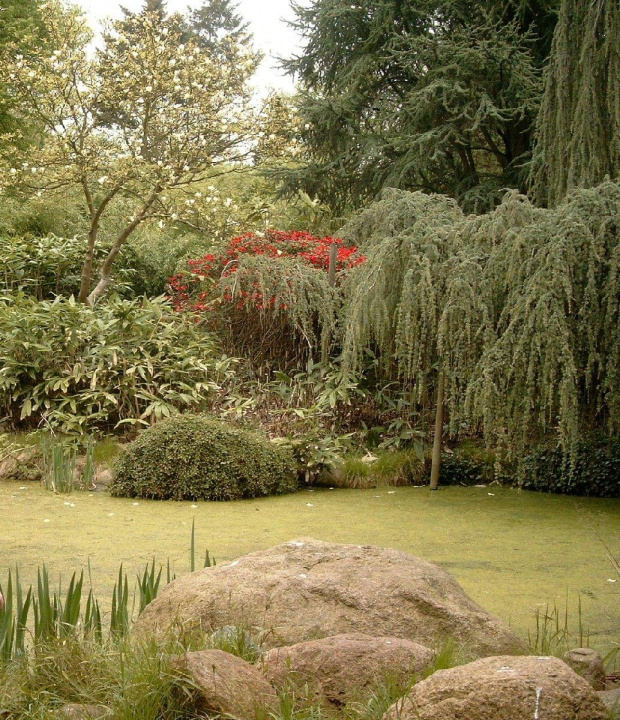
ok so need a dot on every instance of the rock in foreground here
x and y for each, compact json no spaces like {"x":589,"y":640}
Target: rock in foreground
{"x":307,"y":589}
{"x":228,"y":685}
{"x":502,"y":688}
{"x":587,"y":663}
{"x":345,"y":668}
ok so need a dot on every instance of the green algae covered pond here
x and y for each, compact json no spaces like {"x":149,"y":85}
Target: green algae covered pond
{"x":514,"y":552}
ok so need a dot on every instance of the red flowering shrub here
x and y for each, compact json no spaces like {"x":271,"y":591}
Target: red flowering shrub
{"x":188,"y":292}
{"x":283,"y":276}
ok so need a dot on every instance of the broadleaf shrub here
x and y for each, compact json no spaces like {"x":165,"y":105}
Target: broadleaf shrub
{"x":595,"y":469}
{"x":48,"y":266}
{"x":123,"y":362}
{"x":194,"y":457}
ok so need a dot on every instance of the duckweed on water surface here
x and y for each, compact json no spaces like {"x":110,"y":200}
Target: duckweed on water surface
{"x":513,"y":551}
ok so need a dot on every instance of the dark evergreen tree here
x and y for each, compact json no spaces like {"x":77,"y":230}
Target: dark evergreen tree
{"x":216,"y":19}
{"x":434,"y":96}
{"x":149,"y":6}
{"x":579,"y":124}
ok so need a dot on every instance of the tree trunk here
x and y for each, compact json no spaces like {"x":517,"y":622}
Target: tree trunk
{"x":436,"y":462}
{"x":95,"y":219}
{"x":87,"y":267}
{"x":331,"y":277}
{"x":106,"y":269}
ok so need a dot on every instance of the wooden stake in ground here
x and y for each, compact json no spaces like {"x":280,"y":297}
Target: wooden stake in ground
{"x":331,"y":275}
{"x":436,"y":462}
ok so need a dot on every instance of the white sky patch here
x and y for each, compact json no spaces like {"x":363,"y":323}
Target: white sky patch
{"x":267,"y":22}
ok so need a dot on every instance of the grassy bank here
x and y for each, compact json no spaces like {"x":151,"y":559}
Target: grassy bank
{"x":514,"y":552}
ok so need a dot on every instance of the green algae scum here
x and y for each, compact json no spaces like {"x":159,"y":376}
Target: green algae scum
{"x":519,"y":554}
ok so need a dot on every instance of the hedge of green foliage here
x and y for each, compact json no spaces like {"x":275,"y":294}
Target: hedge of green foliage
{"x":471,"y":463}
{"x":48,"y":266}
{"x":194,"y":457}
{"x":595,"y":472}
{"x":461,"y":469}
{"x":77,"y":368}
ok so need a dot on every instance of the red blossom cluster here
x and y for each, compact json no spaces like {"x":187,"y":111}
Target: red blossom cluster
{"x":184,"y":288}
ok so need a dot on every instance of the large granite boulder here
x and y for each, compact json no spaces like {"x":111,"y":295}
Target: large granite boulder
{"x":345,"y":668}
{"x":228,"y":685}
{"x":307,"y":589}
{"x":502,"y":688}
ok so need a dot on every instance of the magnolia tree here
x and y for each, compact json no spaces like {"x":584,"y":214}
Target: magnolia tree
{"x":148,"y":118}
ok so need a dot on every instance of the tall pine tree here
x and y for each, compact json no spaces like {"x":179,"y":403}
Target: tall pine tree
{"x":436,"y":96}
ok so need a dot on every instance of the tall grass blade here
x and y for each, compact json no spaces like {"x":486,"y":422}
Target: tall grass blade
{"x":119,"y":618}
{"x":92,"y":619}
{"x":148,"y":585}
{"x":192,"y":549}
{"x":46,"y":608}
{"x":21,"y":616}
{"x":7,"y":624}
{"x":70,"y":614}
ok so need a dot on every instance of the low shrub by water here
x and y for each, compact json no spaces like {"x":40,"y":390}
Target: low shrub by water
{"x":194,"y":457}
{"x":595,"y":469}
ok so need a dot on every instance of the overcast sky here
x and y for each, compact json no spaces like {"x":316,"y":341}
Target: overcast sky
{"x":267,"y":23}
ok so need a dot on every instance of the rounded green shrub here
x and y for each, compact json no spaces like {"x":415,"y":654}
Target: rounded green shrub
{"x":194,"y":457}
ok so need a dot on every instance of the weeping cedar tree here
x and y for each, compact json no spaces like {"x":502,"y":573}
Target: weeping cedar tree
{"x":578,"y":132}
{"x":437,"y":96}
{"x":517,"y":310}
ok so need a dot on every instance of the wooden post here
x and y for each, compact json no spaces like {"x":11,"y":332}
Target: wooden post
{"x":333,"y":260}
{"x":436,"y":462}
{"x":331,"y":278}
